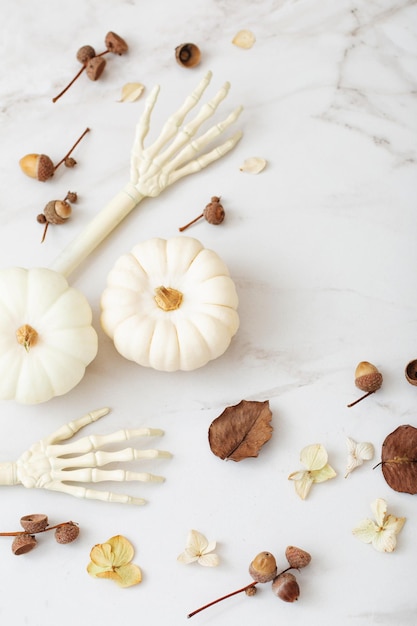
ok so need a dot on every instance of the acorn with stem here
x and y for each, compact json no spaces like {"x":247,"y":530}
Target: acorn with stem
{"x":24,"y":540}
{"x":368,"y":379}
{"x":263,"y":569}
{"x":41,"y":167}
{"x":213,"y":213}
{"x":93,"y":63}
{"x":56,"y":212}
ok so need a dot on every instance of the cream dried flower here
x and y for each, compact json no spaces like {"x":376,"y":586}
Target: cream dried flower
{"x":314,"y":457}
{"x":383,"y":532}
{"x":198,"y":549}
{"x":112,"y":559}
{"x":357,"y":454}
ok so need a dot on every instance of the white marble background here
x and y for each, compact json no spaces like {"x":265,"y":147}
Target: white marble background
{"x":322,"y":248}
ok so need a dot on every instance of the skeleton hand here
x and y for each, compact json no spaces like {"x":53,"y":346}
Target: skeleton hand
{"x":152,"y":169}
{"x":49,"y":464}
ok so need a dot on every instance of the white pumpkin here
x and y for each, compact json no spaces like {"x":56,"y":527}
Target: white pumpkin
{"x":46,"y":337}
{"x":170,"y":305}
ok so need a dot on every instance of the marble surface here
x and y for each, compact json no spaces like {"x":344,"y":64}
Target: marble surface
{"x":321,"y":246}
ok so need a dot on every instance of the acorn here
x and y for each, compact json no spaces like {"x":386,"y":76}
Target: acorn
{"x":35,"y":523}
{"x":40,"y":166}
{"x":296,"y":557}
{"x":188,"y":55}
{"x":37,"y":166}
{"x":23,"y":543}
{"x":285,"y":587}
{"x":367,"y":378}
{"x":66,"y":533}
{"x":263,"y":568}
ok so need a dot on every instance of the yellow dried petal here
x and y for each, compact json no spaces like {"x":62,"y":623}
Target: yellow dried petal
{"x":244,"y":39}
{"x":101,"y":555}
{"x":253,"y":165}
{"x":131,"y":92}
{"x":128,"y":575}
{"x":122,"y":549}
{"x":314,"y":457}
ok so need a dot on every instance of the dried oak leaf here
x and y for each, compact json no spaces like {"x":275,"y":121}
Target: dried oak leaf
{"x":399,"y":459}
{"x":241,"y":430}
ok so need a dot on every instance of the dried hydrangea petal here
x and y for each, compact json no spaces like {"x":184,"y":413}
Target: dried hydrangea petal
{"x":244,"y":39}
{"x":253,"y":165}
{"x":131,"y":92}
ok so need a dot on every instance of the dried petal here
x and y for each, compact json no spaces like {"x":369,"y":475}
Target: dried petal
{"x":318,"y":470}
{"x":131,"y":92}
{"x":241,"y":430}
{"x":314,"y":457}
{"x":244,"y":39}
{"x":253,"y":165}
{"x":399,"y":459}
{"x":199,"y":549}
{"x":112,"y":560}
{"x":382,"y":533}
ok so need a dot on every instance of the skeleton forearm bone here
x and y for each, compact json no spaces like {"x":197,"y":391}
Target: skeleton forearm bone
{"x":49,"y":464}
{"x":154,"y":168}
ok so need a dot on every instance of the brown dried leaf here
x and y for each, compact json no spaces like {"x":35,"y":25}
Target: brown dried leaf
{"x":399,"y":459}
{"x":241,"y":430}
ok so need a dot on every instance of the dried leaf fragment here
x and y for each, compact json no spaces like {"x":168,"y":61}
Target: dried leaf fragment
{"x":131,"y":92}
{"x":399,"y":459}
{"x":241,"y":430}
{"x":244,"y":39}
{"x":253,"y":165}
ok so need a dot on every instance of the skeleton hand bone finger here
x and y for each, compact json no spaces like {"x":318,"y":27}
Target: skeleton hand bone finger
{"x":94,"y":494}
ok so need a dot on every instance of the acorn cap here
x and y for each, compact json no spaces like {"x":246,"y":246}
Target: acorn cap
{"x":95,"y":67}
{"x":34,"y":523}
{"x":85,"y":53}
{"x":66,"y":533}
{"x":411,"y":372}
{"x":188,"y":54}
{"x":263,"y":568}
{"x":22,"y":544}
{"x":296,"y":557}
{"x":114,"y":43}
{"x":285,"y":587}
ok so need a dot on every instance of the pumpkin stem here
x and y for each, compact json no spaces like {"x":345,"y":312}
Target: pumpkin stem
{"x":26,"y":336}
{"x":168,"y":298}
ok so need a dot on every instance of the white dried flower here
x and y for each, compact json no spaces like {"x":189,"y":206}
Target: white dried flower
{"x":314,"y":457}
{"x":244,"y":39}
{"x":198,"y":549}
{"x":357,"y":454}
{"x":383,"y":532}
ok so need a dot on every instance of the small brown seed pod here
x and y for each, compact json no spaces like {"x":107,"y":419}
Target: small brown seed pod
{"x":188,"y":55}
{"x":95,"y":67}
{"x":114,"y":43}
{"x":296,"y":557}
{"x":285,"y":587}
{"x":411,"y":372}
{"x":263,"y":567}
{"x":35,"y":523}
{"x":23,"y":543}
{"x":213,"y":212}
{"x":66,"y":533}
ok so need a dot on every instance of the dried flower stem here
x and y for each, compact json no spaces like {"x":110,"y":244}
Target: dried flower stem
{"x":229,"y":595}
{"x":361,"y":398}
{"x":25,"y":532}
{"x":87,"y":130}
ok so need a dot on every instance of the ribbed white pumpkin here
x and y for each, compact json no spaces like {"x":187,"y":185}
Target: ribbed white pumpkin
{"x":170,"y":304}
{"x":46,"y":337}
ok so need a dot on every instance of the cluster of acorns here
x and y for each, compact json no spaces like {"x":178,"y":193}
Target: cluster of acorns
{"x":24,"y":541}
{"x":263,"y":569}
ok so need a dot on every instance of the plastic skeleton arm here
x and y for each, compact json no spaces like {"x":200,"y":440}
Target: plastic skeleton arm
{"x":50,"y":464}
{"x":173,"y":155}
